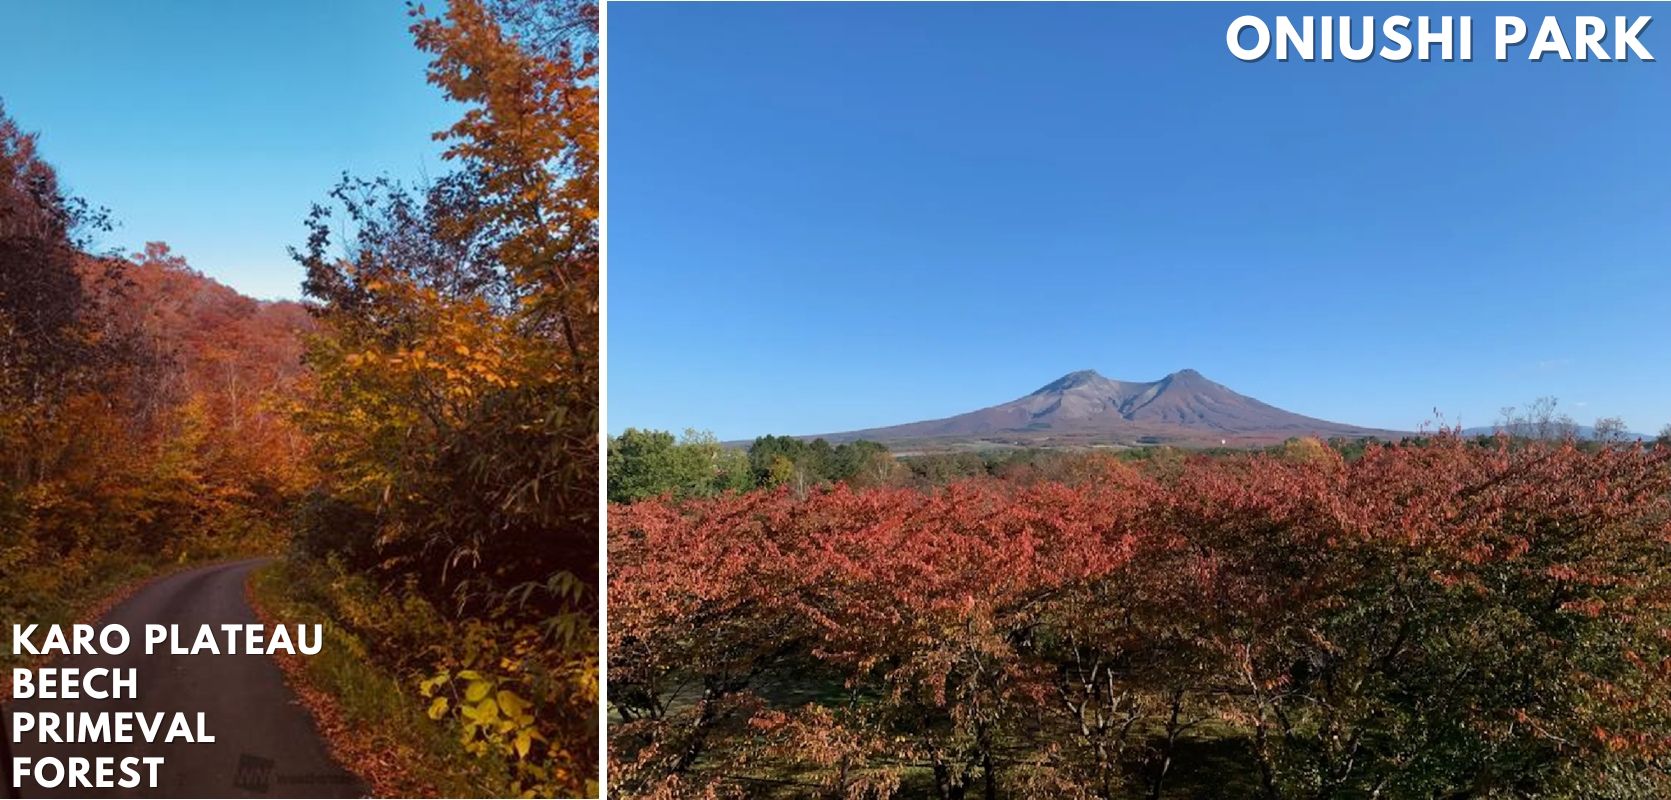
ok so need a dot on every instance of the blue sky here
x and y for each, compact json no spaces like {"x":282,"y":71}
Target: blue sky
{"x":827,"y":217}
{"x":214,"y":125}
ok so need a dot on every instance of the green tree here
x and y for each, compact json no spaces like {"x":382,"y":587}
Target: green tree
{"x":641,"y":464}
{"x":644,"y":463}
{"x":724,"y":469}
{"x":786,"y":460}
{"x":771,"y":458}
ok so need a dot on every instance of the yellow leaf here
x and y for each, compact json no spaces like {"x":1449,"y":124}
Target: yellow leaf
{"x":523,"y":741}
{"x":513,"y":705}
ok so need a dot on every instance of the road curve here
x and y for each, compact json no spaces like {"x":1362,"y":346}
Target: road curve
{"x":266,"y":744}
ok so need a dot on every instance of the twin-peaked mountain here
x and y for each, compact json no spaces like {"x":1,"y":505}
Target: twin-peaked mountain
{"x":1086,"y":408}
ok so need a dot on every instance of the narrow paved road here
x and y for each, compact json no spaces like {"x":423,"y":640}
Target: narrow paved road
{"x":265,"y":744}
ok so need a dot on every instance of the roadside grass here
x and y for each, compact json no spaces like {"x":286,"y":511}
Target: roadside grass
{"x":373,"y":721}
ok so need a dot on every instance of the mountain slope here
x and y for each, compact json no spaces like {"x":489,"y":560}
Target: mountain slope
{"x":1086,"y":408}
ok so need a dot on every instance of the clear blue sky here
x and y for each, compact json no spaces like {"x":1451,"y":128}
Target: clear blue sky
{"x":213,"y":125}
{"x":826,"y":217}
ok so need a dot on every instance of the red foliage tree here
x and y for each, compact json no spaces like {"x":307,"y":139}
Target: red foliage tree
{"x":1436,"y":620}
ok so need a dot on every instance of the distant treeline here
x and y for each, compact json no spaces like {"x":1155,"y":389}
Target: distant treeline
{"x":648,"y":463}
{"x":1542,"y":420}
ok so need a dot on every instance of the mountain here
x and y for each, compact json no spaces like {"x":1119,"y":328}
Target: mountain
{"x":1082,"y":408}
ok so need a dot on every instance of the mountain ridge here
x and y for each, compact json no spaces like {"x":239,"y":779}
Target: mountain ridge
{"x":1085,"y":408}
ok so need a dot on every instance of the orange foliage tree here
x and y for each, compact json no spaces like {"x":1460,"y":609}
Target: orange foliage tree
{"x":452,"y":401}
{"x":135,"y":417}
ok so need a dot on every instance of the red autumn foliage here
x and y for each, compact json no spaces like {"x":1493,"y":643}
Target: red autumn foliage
{"x":1438,"y":620}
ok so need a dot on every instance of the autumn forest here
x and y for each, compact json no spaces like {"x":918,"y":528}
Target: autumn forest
{"x":413,"y":445}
